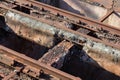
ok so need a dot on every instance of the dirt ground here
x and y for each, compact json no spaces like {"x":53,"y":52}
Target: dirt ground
{"x":106,"y":63}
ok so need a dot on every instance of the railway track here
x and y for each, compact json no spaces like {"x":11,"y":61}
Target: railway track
{"x":61,"y":19}
{"x":21,"y":63}
{"x":57,"y":17}
{"x":23,"y":67}
{"x":12,"y":73}
{"x":95,"y":29}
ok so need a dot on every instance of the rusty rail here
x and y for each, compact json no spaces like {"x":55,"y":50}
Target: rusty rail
{"x":74,"y":17}
{"x":106,"y":16}
{"x":36,"y":64}
{"x":56,"y":24}
{"x":60,"y":50}
{"x":48,"y":69}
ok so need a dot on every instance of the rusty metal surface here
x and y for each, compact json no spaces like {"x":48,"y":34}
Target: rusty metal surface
{"x":36,"y":64}
{"x":85,"y":26}
{"x":70,"y":15}
{"x":53,"y":55}
{"x":107,"y":15}
{"x":90,"y":27}
{"x":116,"y":46}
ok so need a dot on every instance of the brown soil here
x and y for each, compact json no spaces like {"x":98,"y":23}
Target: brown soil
{"x":106,"y":63}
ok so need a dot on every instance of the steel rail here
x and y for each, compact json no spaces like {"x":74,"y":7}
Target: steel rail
{"x":56,"y":24}
{"x":106,"y":16}
{"x":71,"y":16}
{"x":36,"y":64}
{"x":75,"y":17}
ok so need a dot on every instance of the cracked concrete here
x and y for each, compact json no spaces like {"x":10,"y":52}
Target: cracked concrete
{"x":34,"y":24}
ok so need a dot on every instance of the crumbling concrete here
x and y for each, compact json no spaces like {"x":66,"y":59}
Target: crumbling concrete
{"x":54,"y":31}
